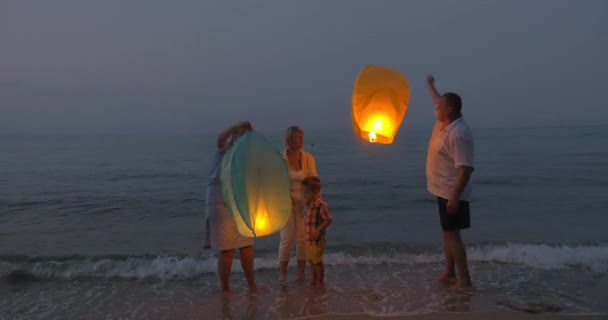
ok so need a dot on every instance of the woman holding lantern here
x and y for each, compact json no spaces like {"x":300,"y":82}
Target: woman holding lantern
{"x":301,"y":165}
{"x":221,"y":232}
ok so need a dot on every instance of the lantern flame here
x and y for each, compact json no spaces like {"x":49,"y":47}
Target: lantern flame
{"x":372,"y":137}
{"x":376,"y":127}
{"x":261,"y":222}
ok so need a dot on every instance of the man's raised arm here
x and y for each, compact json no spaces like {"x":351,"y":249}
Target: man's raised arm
{"x":430,"y":82}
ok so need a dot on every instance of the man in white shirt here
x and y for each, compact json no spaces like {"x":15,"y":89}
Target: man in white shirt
{"x":449,"y":167}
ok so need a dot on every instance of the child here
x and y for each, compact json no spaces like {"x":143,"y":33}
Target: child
{"x":316,"y":221}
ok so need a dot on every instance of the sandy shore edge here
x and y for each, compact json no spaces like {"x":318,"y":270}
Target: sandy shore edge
{"x":494,"y":315}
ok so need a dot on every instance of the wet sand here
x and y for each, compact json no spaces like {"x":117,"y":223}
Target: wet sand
{"x":495,"y":315}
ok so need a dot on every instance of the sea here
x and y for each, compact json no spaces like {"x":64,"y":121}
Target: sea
{"x":111,"y":227}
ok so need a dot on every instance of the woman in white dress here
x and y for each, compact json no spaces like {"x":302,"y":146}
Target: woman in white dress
{"x":301,"y":165}
{"x":221,"y":232}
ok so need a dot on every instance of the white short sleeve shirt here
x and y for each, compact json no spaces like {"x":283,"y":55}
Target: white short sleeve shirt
{"x":449,"y":148}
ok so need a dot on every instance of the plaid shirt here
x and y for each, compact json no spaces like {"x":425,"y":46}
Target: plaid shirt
{"x":316,"y":213}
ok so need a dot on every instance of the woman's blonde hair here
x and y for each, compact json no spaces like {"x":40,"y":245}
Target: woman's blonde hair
{"x":290,"y":131}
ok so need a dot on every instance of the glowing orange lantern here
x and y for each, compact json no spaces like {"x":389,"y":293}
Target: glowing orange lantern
{"x":380,"y":99}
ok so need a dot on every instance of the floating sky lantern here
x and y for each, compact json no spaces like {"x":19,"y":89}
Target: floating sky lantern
{"x":380,"y":99}
{"x":255,"y":183}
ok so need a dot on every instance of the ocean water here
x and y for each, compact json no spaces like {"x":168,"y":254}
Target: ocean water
{"x":110,"y":227}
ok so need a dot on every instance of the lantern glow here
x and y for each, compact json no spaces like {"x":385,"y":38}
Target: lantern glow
{"x":255,"y":183}
{"x":379,"y":103}
{"x":378,"y":125}
{"x":261,"y":222}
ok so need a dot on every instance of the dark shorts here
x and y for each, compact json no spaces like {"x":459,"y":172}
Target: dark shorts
{"x":453,"y":222}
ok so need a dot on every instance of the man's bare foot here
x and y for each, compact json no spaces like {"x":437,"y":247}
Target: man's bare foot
{"x":229,"y":294}
{"x":447,"y":278}
{"x":301,"y":277}
{"x":282,"y":277}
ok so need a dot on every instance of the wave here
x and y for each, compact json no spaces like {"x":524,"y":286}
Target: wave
{"x":154,"y":176}
{"x":24,"y":268}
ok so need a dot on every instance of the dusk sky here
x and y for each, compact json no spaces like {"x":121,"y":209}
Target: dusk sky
{"x":74,"y":66}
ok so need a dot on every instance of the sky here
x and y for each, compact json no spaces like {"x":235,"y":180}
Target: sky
{"x":191,"y":66}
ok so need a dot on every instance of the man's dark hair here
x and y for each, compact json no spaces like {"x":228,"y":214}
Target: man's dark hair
{"x":453,"y":100}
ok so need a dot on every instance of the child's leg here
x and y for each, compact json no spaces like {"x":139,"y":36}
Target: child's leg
{"x":321,"y":272}
{"x":321,"y":266}
{"x":316,"y":269}
{"x":314,"y":273}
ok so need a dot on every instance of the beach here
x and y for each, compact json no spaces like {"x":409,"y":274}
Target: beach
{"x":472,"y":316}
{"x":111,"y":228}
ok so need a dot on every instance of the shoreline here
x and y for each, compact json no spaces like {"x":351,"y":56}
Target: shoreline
{"x":495,"y":315}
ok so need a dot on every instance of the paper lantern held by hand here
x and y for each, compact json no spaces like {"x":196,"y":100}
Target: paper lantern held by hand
{"x":255,"y":184}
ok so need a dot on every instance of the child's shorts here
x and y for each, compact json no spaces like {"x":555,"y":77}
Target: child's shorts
{"x":314,"y":253}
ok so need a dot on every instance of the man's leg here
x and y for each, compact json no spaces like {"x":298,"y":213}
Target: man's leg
{"x":448,"y":274}
{"x":460,"y":258}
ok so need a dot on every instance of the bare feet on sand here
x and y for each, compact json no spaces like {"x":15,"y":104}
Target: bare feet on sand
{"x":447,"y":278}
{"x":282,"y":277}
{"x":464,"y":284}
{"x":257,"y":290}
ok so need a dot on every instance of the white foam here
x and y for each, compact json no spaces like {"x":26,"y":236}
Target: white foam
{"x":544,"y":256}
{"x":535,"y":256}
{"x":594,"y":258}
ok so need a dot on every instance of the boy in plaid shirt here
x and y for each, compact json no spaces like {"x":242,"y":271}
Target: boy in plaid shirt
{"x":318,"y":217}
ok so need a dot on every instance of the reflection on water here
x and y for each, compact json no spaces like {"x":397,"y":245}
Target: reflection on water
{"x":380,"y":290}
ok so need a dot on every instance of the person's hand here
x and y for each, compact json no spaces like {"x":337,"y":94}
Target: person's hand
{"x":430,"y":79}
{"x":315,"y":234}
{"x":452,"y":206}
